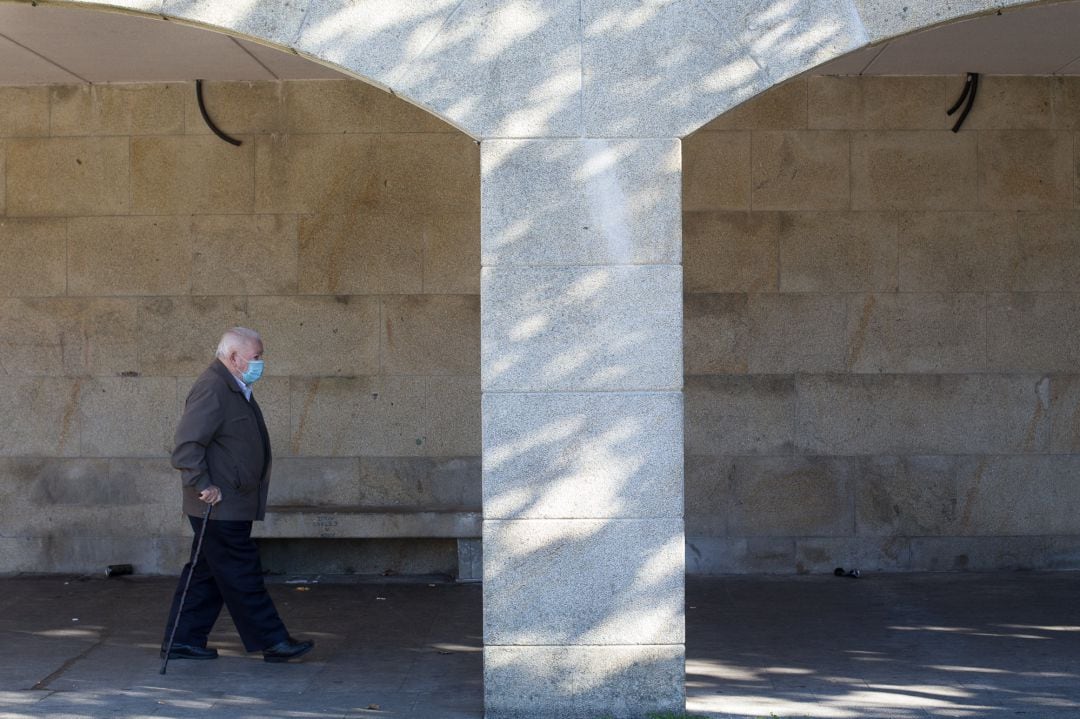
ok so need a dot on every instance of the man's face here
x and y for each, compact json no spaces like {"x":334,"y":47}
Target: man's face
{"x":247,"y":352}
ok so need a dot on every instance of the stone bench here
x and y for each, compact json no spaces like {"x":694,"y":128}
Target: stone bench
{"x":364,"y":522}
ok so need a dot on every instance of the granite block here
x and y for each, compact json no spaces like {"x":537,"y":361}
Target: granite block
{"x":923,"y":414}
{"x":821,"y":555}
{"x":556,"y":682}
{"x":958,"y":554}
{"x":1047,"y":255}
{"x":452,"y":416}
{"x":583,"y":582}
{"x":529,"y":86}
{"x":175,"y":175}
{"x":1025,"y":170}
{"x":708,"y":497}
{"x":878,"y":103}
{"x":451,"y":253}
{"x":739,"y":415}
{"x":361,"y":254}
{"x":71,"y":337}
{"x":73,"y":554}
{"x":25,"y":111}
{"x":68,"y":176}
{"x":904,"y":333}
{"x":1010,"y":102}
{"x":907,"y":103}
{"x":808,"y":170}
{"x":793,"y":496}
{"x":1034,"y":332}
{"x":565,"y":455}
{"x":796,"y":333}
{"x":958,"y":251}
{"x":385,"y":417}
{"x":716,"y":171}
{"x":316,"y":481}
{"x":788,"y":39}
{"x":116,"y":109}
{"x":430,"y":335}
{"x":984,"y":496}
{"x":731,"y":251}
{"x":834,"y":102}
{"x":636,"y":67}
{"x":343,"y":174}
{"x":129,"y":256}
{"x":420,"y":481}
{"x":741,"y":555}
{"x":838,"y":252}
{"x":318,"y":336}
{"x":127,"y":416}
{"x":337,"y":417}
{"x":1065,"y":414}
{"x":374,"y":40}
{"x":1066,"y":103}
{"x":178,"y":335}
{"x":589,"y":201}
{"x":33,"y":257}
{"x":716,"y":334}
{"x":238,"y":108}
{"x":244,"y":255}
{"x":581,"y":328}
{"x":50,"y":420}
{"x":913,"y":170}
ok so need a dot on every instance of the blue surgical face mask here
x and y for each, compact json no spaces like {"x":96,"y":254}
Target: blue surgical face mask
{"x":254,"y":371}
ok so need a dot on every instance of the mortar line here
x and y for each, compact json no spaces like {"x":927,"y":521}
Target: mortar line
{"x":51,"y":62}
{"x":43,"y":684}
{"x":252,"y":56}
{"x":420,"y":53}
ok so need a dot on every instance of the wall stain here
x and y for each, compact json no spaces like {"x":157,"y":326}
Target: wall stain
{"x":1074,"y":443}
{"x":308,"y":401}
{"x":1042,"y":401}
{"x":857,"y":342}
{"x":972,"y":494}
{"x":69,"y":413}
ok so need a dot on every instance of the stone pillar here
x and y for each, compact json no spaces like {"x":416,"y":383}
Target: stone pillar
{"x":581,"y":348}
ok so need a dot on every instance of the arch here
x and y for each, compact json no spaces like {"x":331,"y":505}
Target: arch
{"x":563,"y":68}
{"x":309,"y":34}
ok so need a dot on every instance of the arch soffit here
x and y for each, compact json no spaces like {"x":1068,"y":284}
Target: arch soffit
{"x":567,"y":68}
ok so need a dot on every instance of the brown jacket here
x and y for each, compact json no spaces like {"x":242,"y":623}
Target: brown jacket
{"x":222,"y":440}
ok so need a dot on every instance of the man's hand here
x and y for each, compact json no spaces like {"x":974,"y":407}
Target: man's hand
{"x":210,"y":495}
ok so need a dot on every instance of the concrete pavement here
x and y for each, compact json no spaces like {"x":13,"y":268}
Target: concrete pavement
{"x":891,"y":646}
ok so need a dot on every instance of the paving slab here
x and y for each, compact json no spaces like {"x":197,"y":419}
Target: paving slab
{"x":896,"y":646}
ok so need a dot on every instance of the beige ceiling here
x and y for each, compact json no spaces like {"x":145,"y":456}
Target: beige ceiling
{"x":68,"y":45}
{"x":1041,"y":40}
{"x":71,"y":45}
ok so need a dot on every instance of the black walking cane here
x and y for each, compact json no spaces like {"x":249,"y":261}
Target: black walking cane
{"x":187,"y":583}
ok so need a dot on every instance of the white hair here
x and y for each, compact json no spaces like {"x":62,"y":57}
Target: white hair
{"x":235,"y":339}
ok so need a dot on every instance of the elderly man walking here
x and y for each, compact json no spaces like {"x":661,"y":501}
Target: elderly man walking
{"x":223,"y":454}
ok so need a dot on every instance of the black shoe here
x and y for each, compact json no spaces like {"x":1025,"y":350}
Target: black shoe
{"x":286,"y":650}
{"x":187,"y":651}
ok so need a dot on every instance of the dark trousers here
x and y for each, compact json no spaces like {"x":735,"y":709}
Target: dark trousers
{"x":227,"y":573}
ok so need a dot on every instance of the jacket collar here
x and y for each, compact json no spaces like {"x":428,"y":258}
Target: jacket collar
{"x":221,"y":370}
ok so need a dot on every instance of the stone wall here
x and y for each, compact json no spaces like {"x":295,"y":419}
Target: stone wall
{"x":345,"y":228}
{"x":882,"y":363}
